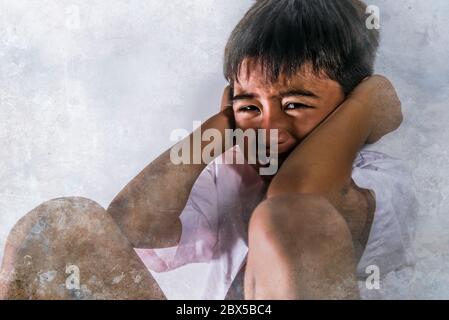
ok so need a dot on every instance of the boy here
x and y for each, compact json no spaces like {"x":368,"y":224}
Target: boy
{"x":303,"y":68}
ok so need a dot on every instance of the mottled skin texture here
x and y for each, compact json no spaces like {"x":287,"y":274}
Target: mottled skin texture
{"x":73,"y":231}
{"x":311,"y":228}
{"x":310,"y":253}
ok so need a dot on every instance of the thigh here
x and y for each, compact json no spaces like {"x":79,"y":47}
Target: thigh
{"x":70,"y":248}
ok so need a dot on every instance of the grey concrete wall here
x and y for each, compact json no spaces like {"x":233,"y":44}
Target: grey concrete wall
{"x":91,"y":89}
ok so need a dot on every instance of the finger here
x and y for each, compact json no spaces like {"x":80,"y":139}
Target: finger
{"x":226,"y":100}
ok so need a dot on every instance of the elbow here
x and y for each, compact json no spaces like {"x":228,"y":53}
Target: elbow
{"x":144,"y":230}
{"x":158,"y":236}
{"x":400,"y":116}
{"x":397,"y":117}
{"x":157,"y":240}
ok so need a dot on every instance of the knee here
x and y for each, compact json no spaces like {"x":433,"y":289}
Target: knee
{"x":56,"y":215}
{"x":78,"y":206}
{"x":297,"y":222}
{"x":47,"y":228}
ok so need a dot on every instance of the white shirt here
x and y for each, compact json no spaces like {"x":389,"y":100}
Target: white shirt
{"x":214,"y":245}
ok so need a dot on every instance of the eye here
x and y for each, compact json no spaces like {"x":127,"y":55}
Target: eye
{"x":294,"y":106}
{"x":248,"y":109}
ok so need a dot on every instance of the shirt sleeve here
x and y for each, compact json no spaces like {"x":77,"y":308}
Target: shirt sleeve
{"x":199,"y":235}
{"x":389,"y":243}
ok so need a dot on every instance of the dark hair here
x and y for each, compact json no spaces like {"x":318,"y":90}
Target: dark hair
{"x":283,"y":35}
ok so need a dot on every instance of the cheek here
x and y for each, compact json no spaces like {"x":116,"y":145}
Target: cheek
{"x":244,"y":122}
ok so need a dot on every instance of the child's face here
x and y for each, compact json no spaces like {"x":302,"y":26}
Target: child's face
{"x":293,"y":106}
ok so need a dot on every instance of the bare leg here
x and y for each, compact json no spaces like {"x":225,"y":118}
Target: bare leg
{"x":299,"y":248}
{"x":47,"y":248}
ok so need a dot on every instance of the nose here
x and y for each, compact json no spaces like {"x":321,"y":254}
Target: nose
{"x":275,"y":118}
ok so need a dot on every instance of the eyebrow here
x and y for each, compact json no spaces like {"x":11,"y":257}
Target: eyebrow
{"x":288,"y":93}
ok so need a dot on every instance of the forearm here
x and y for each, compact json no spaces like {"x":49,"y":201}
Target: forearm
{"x":322,"y":163}
{"x":147,"y":210}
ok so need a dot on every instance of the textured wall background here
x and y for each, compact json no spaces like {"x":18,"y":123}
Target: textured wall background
{"x":91,"y":89}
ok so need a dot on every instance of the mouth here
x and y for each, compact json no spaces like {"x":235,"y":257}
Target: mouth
{"x":276,"y":156}
{"x":283,"y":148}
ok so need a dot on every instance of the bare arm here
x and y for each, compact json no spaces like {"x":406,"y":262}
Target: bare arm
{"x":147,"y":210}
{"x":322,"y":163}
